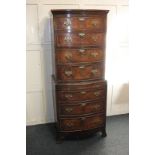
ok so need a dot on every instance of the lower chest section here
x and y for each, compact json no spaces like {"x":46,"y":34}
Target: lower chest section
{"x":81,"y":106}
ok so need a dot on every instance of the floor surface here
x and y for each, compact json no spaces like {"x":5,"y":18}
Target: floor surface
{"x":40,"y":140}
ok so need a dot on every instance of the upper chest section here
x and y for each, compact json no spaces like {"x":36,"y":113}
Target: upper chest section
{"x":80,"y":20}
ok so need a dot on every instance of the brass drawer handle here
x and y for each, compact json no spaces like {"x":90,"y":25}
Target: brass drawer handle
{"x":83,"y":104}
{"x":68,"y":39}
{"x":97,"y":106}
{"x":82,"y":51}
{"x":94,"y":38}
{"x":68,"y":95}
{"x":97,"y":93}
{"x":69,"y":124}
{"x":83,"y":92}
{"x":94,"y":23}
{"x":81,"y":34}
{"x":81,"y":67}
{"x":68,"y":73}
{"x":67,"y":22}
{"x":98,"y":121}
{"x":94,"y":54}
{"x":68,"y":56}
{"x":81,"y":19}
{"x":68,"y":109}
{"x":94,"y":71}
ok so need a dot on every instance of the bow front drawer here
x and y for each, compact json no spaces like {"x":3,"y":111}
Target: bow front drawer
{"x":82,"y":123}
{"x":79,"y":23}
{"x":80,"y":39}
{"x":83,"y":95}
{"x":79,"y":72}
{"x":82,"y":108}
{"x":79,"y":55}
{"x":99,"y":84}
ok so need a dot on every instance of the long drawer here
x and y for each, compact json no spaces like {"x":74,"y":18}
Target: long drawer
{"x":84,"y":95}
{"x":82,"y":108}
{"x":97,"y":84}
{"x":79,"y":72}
{"x":80,"y":23}
{"x":82,"y":123}
{"x":79,"y":55}
{"x":80,"y":38}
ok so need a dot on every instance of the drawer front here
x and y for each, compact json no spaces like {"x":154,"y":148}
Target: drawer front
{"x":70,"y":124}
{"x":82,"y":108}
{"x":93,"y":122}
{"x":80,"y":39}
{"x":79,"y":55}
{"x":80,"y":23}
{"x":79,"y":72}
{"x":97,"y":84}
{"x":84,"y":95}
{"x":82,"y":123}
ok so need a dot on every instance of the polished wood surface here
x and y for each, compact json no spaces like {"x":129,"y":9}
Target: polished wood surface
{"x":80,"y":38}
{"x":96,"y":84}
{"x":83,"y":95}
{"x":80,"y":87}
{"x":82,"y":123}
{"x":81,"y":108}
{"x":73,"y":12}
{"x":79,"y":55}
{"x":80,"y":23}
{"x":79,"y":72}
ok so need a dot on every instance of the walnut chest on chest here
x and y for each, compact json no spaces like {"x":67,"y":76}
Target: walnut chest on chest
{"x":80,"y":88}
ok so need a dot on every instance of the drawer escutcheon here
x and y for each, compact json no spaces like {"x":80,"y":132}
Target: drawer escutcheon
{"x":68,"y":39}
{"x":67,"y":22}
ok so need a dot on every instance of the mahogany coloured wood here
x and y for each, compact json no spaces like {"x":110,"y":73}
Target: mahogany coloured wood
{"x":82,"y":123}
{"x":80,"y":87}
{"x":81,"y":108}
{"x":80,"y":38}
{"x":79,"y":55}
{"x":96,"y":84}
{"x":83,"y":95}
{"x":79,"y":72}
{"x":80,"y":23}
